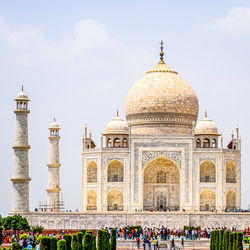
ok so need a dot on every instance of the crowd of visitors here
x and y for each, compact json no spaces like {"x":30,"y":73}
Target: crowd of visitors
{"x":150,"y":237}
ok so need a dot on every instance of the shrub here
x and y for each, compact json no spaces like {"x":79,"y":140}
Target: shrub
{"x":53,"y":243}
{"x":226,"y":240}
{"x":239,"y":241}
{"x":45,"y":243}
{"x":16,"y":246}
{"x":231,"y":241}
{"x":93,"y":242}
{"x":87,"y":242}
{"x":61,"y":245}
{"x":235,"y":241}
{"x":221,"y":235}
{"x":74,"y":242}
{"x":105,"y":240}
{"x":38,"y":239}
{"x":24,"y":237}
{"x":99,"y":240}
{"x":211,"y":239}
{"x":68,"y":239}
{"x":79,"y":240}
{"x":113,"y":239}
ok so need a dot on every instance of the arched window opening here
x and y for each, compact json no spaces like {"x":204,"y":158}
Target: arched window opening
{"x":161,"y":177}
{"x":207,"y":172}
{"x":115,"y":171}
{"x":115,"y":200}
{"x":214,"y":143}
{"x":125,"y":143}
{"x":92,"y":172}
{"x":198,"y":143}
{"x":207,"y":201}
{"x":91,"y":200}
{"x":117,"y":143}
{"x":231,"y":172}
{"x":109,"y":143}
{"x":206,"y":143}
{"x":231,"y":200}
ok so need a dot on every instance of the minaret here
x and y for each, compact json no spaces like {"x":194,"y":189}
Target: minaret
{"x":53,"y":189}
{"x":21,"y":179}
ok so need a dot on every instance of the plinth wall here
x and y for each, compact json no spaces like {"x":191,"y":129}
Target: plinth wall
{"x":95,"y":220}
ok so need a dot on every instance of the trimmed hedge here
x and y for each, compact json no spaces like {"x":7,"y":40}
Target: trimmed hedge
{"x":53,"y":243}
{"x":79,"y":240}
{"x":99,"y":240}
{"x":68,"y":239}
{"x":221,"y":235}
{"x":240,"y":241}
{"x":93,"y":242}
{"x":224,"y":240}
{"x":45,"y":243}
{"x":16,"y":246}
{"x":74,"y":242}
{"x":105,"y":240}
{"x":61,"y":245}
{"x":113,"y":240}
{"x":87,"y":241}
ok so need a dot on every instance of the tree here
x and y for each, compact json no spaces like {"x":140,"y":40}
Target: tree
{"x":240,"y":241}
{"x":53,"y":243}
{"x":36,"y":229}
{"x":16,"y":223}
{"x":226,"y":240}
{"x":1,"y":235}
{"x":61,"y":245}
{"x":93,"y":242}
{"x":99,"y":240}
{"x":105,"y":240}
{"x":79,"y":240}
{"x":231,"y":241}
{"x":113,"y":239}
{"x":74,"y":242}
{"x":68,"y":239}
{"x":87,"y":241}
{"x":221,"y":235}
{"x":45,"y":243}
{"x":235,"y":241}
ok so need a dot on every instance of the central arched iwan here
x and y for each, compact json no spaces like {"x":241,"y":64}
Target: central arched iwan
{"x":161,"y":185}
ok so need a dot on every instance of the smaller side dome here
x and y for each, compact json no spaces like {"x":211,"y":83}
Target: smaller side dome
{"x":206,"y":127}
{"x":117,"y":126}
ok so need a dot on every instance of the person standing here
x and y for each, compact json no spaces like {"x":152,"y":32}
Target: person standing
{"x":138,"y":242}
{"x":154,"y":243}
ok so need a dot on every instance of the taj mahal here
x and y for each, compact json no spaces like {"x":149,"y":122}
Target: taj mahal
{"x":159,"y":166}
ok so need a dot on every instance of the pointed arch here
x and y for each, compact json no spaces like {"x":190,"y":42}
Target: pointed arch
{"x":115,"y":200}
{"x":207,"y":200}
{"x":115,"y":171}
{"x":161,"y":185}
{"x":231,"y":200}
{"x":92,"y":172}
{"x":91,"y":200}
{"x":207,"y":171}
{"x":231,"y":172}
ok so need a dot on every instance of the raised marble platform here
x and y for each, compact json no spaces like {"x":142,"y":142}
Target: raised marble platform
{"x":96,"y":220}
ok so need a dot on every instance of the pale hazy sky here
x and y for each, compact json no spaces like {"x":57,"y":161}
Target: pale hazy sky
{"x":78,"y":59}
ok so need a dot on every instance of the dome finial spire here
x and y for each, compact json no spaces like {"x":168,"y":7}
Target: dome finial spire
{"x":22,"y":88}
{"x":161,"y":53}
{"x":117,"y":113}
{"x":206,"y":113}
